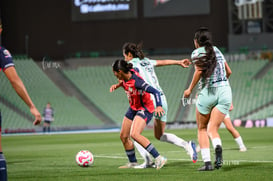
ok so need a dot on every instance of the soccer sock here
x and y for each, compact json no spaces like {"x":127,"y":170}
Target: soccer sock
{"x":172,"y":138}
{"x":239,"y":142}
{"x":44,"y":129}
{"x":144,"y":154}
{"x":151,"y":149}
{"x":205,"y":152}
{"x":3,"y":168}
{"x":216,"y":141}
{"x":131,"y":155}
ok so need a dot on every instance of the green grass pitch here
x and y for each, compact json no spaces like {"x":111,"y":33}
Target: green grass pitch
{"x":52,"y":157}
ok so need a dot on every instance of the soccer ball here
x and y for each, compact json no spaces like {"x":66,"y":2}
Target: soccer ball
{"x":84,"y":158}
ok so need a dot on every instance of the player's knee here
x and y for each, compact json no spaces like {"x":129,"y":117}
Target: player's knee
{"x":134,"y":135}
{"x":163,"y":138}
{"x":123,"y":137}
{"x":210,"y":131}
{"x":229,"y":129}
{"x":202,"y":127}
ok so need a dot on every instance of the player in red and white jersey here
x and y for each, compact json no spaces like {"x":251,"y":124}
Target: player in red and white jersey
{"x":139,"y":114}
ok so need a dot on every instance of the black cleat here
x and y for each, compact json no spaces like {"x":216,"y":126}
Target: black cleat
{"x":218,"y":157}
{"x":206,"y":167}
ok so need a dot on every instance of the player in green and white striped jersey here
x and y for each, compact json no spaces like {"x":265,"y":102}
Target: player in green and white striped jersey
{"x":214,"y":98}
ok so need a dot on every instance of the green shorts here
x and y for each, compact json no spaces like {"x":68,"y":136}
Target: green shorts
{"x":165,"y":108}
{"x":219,"y":97}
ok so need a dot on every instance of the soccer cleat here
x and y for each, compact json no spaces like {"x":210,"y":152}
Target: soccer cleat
{"x":218,"y":157}
{"x":192,"y":151}
{"x":129,"y":165}
{"x":206,"y":167}
{"x":160,"y":161}
{"x":145,"y":165}
{"x":148,"y":163}
{"x":243,"y":149}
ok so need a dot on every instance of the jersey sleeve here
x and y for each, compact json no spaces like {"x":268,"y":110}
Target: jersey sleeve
{"x":153,"y":62}
{"x":194,"y":54}
{"x":142,"y":85}
{"x":5,"y":58}
{"x":198,"y":53}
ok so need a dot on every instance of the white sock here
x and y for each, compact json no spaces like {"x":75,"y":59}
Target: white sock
{"x":216,"y":141}
{"x":142,"y":151}
{"x":239,"y":142}
{"x":205,"y":152}
{"x":172,"y":138}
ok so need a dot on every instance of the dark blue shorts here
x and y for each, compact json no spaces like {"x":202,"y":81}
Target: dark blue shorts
{"x":48,"y":122}
{"x":146,"y":115}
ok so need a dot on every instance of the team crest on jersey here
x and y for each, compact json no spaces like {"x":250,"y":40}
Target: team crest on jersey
{"x":141,"y":112}
{"x":7,"y":53}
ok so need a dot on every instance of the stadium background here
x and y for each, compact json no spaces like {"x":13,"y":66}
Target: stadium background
{"x":67,"y":61}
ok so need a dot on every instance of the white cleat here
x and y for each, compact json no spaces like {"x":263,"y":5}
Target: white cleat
{"x":160,"y":161}
{"x":147,"y":164}
{"x":129,"y":165}
{"x":243,"y":149}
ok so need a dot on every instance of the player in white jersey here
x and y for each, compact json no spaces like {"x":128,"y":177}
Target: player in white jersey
{"x":134,"y":54}
{"x":214,"y":98}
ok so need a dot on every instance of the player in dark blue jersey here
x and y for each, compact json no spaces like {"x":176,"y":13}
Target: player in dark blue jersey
{"x":139,"y":113}
{"x":7,"y":65}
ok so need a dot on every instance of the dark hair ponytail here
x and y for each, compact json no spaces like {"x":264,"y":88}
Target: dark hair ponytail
{"x":121,"y":64}
{"x":207,"y":62}
{"x":134,"y":49}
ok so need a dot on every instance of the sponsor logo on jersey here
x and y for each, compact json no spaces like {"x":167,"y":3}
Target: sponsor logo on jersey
{"x":7,"y":53}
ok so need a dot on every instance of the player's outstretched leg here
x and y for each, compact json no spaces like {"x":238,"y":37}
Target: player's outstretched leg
{"x":189,"y":147}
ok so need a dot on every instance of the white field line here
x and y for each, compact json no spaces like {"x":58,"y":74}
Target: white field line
{"x":226,"y":162}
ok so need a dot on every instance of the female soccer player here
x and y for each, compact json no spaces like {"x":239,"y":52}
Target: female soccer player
{"x":214,"y":98}
{"x":9,"y":70}
{"x":236,"y":135}
{"x":139,"y":114}
{"x":133,"y":53}
{"x":238,"y":139}
{"x":48,"y":117}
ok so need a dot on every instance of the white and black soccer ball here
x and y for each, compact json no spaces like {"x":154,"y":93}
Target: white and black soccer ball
{"x":84,"y":158}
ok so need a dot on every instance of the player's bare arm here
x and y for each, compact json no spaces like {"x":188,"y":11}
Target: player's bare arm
{"x":20,"y":89}
{"x":184,"y":62}
{"x":195,"y":79}
{"x":115,"y":86}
